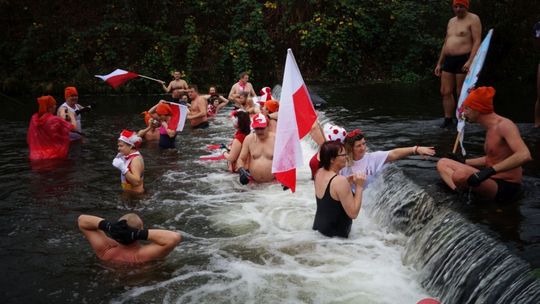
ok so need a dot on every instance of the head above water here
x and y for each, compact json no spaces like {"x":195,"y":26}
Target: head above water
{"x":47,"y":104}
{"x":133,"y":220}
{"x":330,"y":150}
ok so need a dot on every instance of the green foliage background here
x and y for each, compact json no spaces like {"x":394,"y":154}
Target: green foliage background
{"x":67,"y":42}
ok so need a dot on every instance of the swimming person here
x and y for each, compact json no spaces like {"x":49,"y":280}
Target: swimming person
{"x":119,"y":242}
{"x":498,"y":174}
{"x":130,"y":162}
{"x":337,"y":206}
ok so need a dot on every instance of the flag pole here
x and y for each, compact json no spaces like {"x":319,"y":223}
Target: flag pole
{"x":456,"y":142}
{"x":154,"y":79}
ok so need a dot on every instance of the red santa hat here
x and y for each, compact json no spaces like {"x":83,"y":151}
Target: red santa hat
{"x":131,"y":138}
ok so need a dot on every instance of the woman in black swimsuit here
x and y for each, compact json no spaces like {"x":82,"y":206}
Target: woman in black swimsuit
{"x":337,"y":206}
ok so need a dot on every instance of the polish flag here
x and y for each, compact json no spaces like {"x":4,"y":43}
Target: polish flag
{"x":179,"y":114}
{"x":296,"y":117}
{"x":118,"y":77}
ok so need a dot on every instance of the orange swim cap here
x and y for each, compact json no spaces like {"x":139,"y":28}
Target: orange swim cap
{"x":147,"y":117}
{"x":70,"y":91}
{"x":44,"y":103}
{"x":272,"y":106}
{"x":465,"y":3}
{"x":481,"y":100}
{"x":163,"y":109}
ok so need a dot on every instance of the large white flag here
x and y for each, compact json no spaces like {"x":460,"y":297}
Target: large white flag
{"x":296,"y":117}
{"x":470,"y":82}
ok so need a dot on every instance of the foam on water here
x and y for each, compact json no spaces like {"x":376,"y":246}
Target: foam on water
{"x":256,"y":244}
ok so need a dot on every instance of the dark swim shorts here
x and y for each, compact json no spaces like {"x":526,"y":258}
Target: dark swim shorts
{"x":454,"y":64}
{"x":507,"y":191}
{"x":202,"y":125}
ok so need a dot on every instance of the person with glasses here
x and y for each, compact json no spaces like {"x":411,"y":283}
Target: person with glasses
{"x":337,"y":205}
{"x":370,"y":163}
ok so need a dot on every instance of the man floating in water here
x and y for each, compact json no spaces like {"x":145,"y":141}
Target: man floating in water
{"x":119,"y":242}
{"x":498,"y":174}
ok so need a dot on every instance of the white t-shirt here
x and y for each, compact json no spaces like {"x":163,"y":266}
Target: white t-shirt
{"x":371,"y":164}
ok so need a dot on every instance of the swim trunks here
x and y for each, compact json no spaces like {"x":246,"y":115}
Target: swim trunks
{"x":506,"y":191}
{"x":202,"y":125}
{"x":454,"y":64}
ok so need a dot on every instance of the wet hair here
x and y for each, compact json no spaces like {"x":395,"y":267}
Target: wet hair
{"x":133,"y":220}
{"x":329,"y":151}
{"x":243,"y":122}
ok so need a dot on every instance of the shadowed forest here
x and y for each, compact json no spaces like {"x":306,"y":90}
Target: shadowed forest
{"x":67,"y":42}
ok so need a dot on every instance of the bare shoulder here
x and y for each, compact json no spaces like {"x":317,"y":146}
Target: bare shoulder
{"x":473,"y":18}
{"x":507,"y":127}
{"x":249,"y":138}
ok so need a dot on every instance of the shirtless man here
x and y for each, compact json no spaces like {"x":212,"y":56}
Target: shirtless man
{"x":258,"y":148}
{"x":177,"y":83}
{"x":463,"y":37}
{"x":198,"y":115}
{"x":498,"y":174}
{"x":241,"y":86}
{"x":118,"y":242}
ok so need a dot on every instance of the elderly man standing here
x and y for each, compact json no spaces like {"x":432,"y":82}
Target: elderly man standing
{"x":463,"y":37}
{"x":498,"y":174}
{"x":258,"y":151}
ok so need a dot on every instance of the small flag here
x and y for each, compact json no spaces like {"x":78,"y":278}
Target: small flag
{"x":118,"y":77}
{"x":296,"y":117}
{"x":179,"y":114}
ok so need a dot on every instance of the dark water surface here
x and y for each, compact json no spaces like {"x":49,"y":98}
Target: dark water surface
{"x":244,"y":244}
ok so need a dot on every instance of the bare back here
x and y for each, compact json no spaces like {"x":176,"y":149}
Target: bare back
{"x":461,"y":34}
{"x":199,"y":106}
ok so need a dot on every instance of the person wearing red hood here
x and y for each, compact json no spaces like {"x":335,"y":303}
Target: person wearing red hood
{"x":497,"y":175}
{"x":48,"y":135}
{"x":258,"y":150}
{"x":463,"y":37}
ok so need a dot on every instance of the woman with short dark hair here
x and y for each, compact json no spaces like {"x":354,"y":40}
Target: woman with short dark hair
{"x":337,"y":206}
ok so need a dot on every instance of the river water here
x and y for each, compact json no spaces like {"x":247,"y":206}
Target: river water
{"x":254,"y":244}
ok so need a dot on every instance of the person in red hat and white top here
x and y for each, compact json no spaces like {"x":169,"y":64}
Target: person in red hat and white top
{"x":258,"y":151}
{"x":498,"y":174}
{"x":130,"y":162}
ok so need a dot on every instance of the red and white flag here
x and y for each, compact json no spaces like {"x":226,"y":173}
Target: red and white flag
{"x":296,"y":117}
{"x":118,"y":77}
{"x":179,"y":114}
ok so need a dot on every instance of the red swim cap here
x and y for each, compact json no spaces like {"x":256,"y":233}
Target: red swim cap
{"x":70,"y":91}
{"x":465,"y":3}
{"x":481,"y":100}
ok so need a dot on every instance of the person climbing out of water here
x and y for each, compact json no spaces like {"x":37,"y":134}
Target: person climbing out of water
{"x":130,"y":162}
{"x":270,"y":110}
{"x":463,"y":37}
{"x":337,"y":205}
{"x":243,"y":85}
{"x":241,"y":122}
{"x":48,"y":135}
{"x":176,"y":83}
{"x":151,"y":132}
{"x":371,"y":163}
{"x":71,"y":105}
{"x":258,"y":151}
{"x":319,"y":135}
{"x":119,"y":242}
{"x":536,"y":32}
{"x":198,"y":115}
{"x":497,"y":175}
{"x":163,"y":112}
{"x":215,"y":101}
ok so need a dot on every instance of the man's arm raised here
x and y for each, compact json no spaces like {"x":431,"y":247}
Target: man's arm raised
{"x":89,"y":226}
{"x":163,"y":242}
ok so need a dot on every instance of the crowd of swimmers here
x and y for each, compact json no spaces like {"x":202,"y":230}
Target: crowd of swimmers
{"x":342,"y":168}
